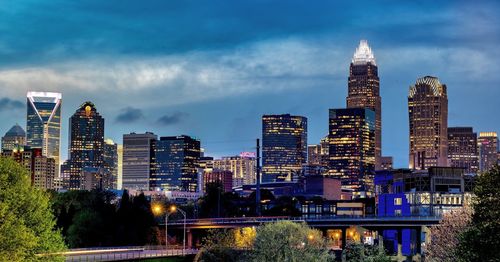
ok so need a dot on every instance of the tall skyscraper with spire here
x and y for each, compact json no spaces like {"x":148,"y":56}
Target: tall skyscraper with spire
{"x":364,"y":90}
{"x":43,"y":124}
{"x":428,"y":112}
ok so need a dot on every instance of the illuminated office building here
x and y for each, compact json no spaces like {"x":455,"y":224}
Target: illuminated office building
{"x":86,"y":144}
{"x":386,"y":163}
{"x":177,"y":163}
{"x":14,"y":138}
{"x":138,"y":160}
{"x":428,"y":112}
{"x":110,"y":158}
{"x":352,"y":148}
{"x":462,"y":149}
{"x":120,"y":167}
{"x":43,"y":124}
{"x":364,"y":90}
{"x":242,"y":167}
{"x":284,"y":147}
{"x":41,"y":168}
{"x":314,"y":154}
{"x":222,"y":177}
{"x":488,"y":150}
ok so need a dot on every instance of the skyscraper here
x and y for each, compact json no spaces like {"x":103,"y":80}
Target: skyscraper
{"x":110,"y":158}
{"x":462,"y":149}
{"x":352,"y":148}
{"x":177,"y":163}
{"x":120,"y":167}
{"x":86,"y":143}
{"x":43,"y":124}
{"x":488,"y":148}
{"x":284,"y":147}
{"x":314,"y":154}
{"x":364,"y":90}
{"x":14,"y":138}
{"x":138,"y":160}
{"x":428,"y":111}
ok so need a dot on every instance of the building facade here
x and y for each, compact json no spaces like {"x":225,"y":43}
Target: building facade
{"x":352,"y":148}
{"x":138,"y":160}
{"x":222,"y":177}
{"x":284,"y":147}
{"x":43,"y":124}
{"x":110,"y":159}
{"x":488,"y":150}
{"x":242,"y":167}
{"x":41,"y":168}
{"x":462,"y":149}
{"x":14,"y":138}
{"x":428,"y":112}
{"x":177,"y":164}
{"x":86,"y":144}
{"x":364,"y":90}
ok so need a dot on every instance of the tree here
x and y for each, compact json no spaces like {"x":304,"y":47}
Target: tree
{"x":27,"y":226}
{"x":289,"y":241}
{"x":445,"y":235}
{"x":220,"y":245}
{"x":480,"y":241}
{"x":364,"y":253}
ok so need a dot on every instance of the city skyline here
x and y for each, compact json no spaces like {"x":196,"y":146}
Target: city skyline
{"x":252,"y":69}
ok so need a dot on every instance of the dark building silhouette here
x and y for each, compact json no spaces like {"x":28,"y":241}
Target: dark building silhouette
{"x":284,"y":147}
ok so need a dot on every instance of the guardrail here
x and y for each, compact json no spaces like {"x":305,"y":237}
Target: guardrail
{"x":123,"y":254}
{"x":216,"y":221}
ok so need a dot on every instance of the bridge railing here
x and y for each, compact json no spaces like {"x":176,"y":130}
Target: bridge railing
{"x":238,"y":220}
{"x":126,"y":255}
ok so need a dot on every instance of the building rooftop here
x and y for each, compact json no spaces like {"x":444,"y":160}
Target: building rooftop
{"x":16,"y":130}
{"x":363,"y":54}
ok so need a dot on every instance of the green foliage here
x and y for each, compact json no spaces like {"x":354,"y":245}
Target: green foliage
{"x":27,"y":226}
{"x":93,"y":218}
{"x":358,"y":252}
{"x":289,"y":241}
{"x":219,"y":245}
{"x":480,"y":241}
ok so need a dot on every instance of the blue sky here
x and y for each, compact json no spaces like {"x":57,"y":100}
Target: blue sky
{"x":210,"y":69}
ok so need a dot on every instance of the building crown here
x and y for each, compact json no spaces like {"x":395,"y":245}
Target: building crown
{"x":363,"y":54}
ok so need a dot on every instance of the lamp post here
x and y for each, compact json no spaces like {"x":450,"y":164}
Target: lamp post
{"x":157,"y":209}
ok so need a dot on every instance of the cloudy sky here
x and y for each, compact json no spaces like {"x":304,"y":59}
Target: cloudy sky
{"x":210,"y":69}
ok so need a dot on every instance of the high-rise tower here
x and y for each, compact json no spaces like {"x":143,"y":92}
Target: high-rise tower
{"x":428,"y":112}
{"x":14,"y":138}
{"x":364,"y":90}
{"x":284,"y":147}
{"x":86,"y":143}
{"x":43,"y":124}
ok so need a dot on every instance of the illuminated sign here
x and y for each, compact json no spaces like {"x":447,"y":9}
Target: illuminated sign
{"x":247,"y":154}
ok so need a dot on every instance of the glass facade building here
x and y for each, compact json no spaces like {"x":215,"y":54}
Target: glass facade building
{"x":242,"y":167}
{"x":488,"y":150}
{"x":177,"y":163}
{"x":86,"y":143}
{"x":138,"y":160}
{"x":284,"y":147}
{"x":364,"y":90}
{"x":43,"y":124}
{"x":352,"y":148}
{"x":462,"y":149}
{"x":428,"y":114}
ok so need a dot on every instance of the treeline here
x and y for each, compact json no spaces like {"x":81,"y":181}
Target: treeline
{"x":97,"y":218}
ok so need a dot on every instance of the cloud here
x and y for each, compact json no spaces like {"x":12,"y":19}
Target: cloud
{"x":10,"y":104}
{"x":129,"y":115}
{"x":171,"y":119}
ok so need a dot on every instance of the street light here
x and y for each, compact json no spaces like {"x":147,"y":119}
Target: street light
{"x":158,"y":210}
